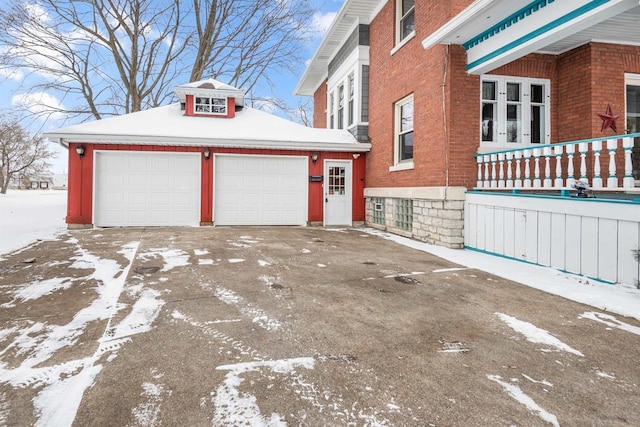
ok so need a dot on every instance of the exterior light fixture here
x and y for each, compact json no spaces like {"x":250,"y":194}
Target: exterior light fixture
{"x":80,"y":150}
{"x":207,"y":153}
{"x":314,"y":156}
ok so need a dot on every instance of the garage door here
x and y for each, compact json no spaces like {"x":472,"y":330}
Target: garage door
{"x":146,"y":189}
{"x":260,"y":190}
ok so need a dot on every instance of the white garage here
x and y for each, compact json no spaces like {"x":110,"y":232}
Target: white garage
{"x":146,"y":189}
{"x":260,"y":190}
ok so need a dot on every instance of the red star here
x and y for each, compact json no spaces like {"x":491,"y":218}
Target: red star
{"x":609,"y":119}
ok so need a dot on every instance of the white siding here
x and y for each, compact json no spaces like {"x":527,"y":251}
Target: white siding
{"x":594,"y":238}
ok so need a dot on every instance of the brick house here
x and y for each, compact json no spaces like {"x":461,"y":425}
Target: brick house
{"x":497,"y":97}
{"x":210,"y":159}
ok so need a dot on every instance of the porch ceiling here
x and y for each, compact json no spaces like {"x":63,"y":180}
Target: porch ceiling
{"x":496,"y":32}
{"x":623,"y":28}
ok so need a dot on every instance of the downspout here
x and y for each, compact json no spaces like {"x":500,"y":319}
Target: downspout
{"x":444,"y":119}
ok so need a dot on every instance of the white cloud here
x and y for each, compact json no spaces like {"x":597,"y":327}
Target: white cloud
{"x":11,"y":74}
{"x":268,"y":105}
{"x":41,"y":104}
{"x":322,"y":21}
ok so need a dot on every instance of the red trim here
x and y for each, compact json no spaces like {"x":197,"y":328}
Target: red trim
{"x":80,"y":194}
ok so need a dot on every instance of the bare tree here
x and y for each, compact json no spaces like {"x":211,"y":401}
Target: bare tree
{"x":106,"y":57}
{"x":21,"y":154}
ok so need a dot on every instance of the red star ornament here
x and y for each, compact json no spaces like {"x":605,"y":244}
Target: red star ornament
{"x":609,"y":119}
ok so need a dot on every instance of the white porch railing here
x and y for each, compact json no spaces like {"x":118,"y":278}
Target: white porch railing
{"x":605,"y":163}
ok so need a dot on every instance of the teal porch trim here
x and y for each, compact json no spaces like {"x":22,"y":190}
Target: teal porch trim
{"x":506,"y":23}
{"x":517,"y":192}
{"x":470,"y":248}
{"x":533,"y":34}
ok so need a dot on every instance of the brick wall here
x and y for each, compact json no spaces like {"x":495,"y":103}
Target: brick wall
{"x":609,"y":63}
{"x":571,"y":96}
{"x":320,"y":106}
{"x":411,"y":69}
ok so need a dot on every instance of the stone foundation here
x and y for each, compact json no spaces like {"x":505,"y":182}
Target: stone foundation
{"x":437,"y":217}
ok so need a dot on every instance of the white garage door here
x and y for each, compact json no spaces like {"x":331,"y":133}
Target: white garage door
{"x":260,"y":190}
{"x":146,"y":189}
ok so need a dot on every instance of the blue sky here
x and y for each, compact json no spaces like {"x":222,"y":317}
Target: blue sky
{"x":12,"y":90}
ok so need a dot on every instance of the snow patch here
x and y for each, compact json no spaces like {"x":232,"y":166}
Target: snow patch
{"x":609,"y":320}
{"x":58,"y":403}
{"x":235,"y":260}
{"x":38,"y":289}
{"x":146,"y":413}
{"x":29,"y":215}
{"x":543,"y":382}
{"x":605,"y":375}
{"x":263,"y":263}
{"x":446,"y":270}
{"x":142,"y":315}
{"x":4,"y":409}
{"x":518,"y":394}
{"x":236,"y":408}
{"x":206,"y":262}
{"x":199,"y":252}
{"x":63,"y":385}
{"x":257,"y":315}
{"x":172,"y":257}
{"x":536,"y":335}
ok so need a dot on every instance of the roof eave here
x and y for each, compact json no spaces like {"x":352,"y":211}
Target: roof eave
{"x":441,"y":35}
{"x":308,"y":83}
{"x":66,"y":139}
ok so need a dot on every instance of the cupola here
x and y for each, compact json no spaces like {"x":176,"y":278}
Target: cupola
{"x":210,"y":98}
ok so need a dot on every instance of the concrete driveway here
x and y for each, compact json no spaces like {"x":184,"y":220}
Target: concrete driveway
{"x":295,"y":326}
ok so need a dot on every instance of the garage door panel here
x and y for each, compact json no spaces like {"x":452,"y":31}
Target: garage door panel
{"x":147,"y":188}
{"x":260,"y":190}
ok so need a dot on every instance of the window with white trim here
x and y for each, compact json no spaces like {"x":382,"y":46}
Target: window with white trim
{"x":404,"y":131}
{"x":405,"y":19}
{"x":331,"y":116}
{"x":350,"y":112}
{"x":632,"y":85}
{"x":341,"y":107}
{"x":214,"y":106}
{"x":514,"y":111}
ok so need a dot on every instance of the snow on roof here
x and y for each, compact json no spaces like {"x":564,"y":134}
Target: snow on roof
{"x":209,"y":87}
{"x":168,"y":125}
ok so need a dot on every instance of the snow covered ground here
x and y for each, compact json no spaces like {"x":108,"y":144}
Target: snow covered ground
{"x":30,"y":215}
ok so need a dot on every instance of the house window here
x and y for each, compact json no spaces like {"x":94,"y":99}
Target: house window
{"x":378,"y":210}
{"x":632,"y":82}
{"x":331,"y":116}
{"x":405,"y":23}
{"x":215,"y":106}
{"x":350,"y":105}
{"x":404,"y":130}
{"x":341,"y":107}
{"x":514,"y":111}
{"x":404,"y":214}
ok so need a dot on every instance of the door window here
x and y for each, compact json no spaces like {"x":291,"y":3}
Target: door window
{"x":336,"y":180}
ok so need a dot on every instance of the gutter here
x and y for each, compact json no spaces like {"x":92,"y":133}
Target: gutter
{"x":66,"y":139}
